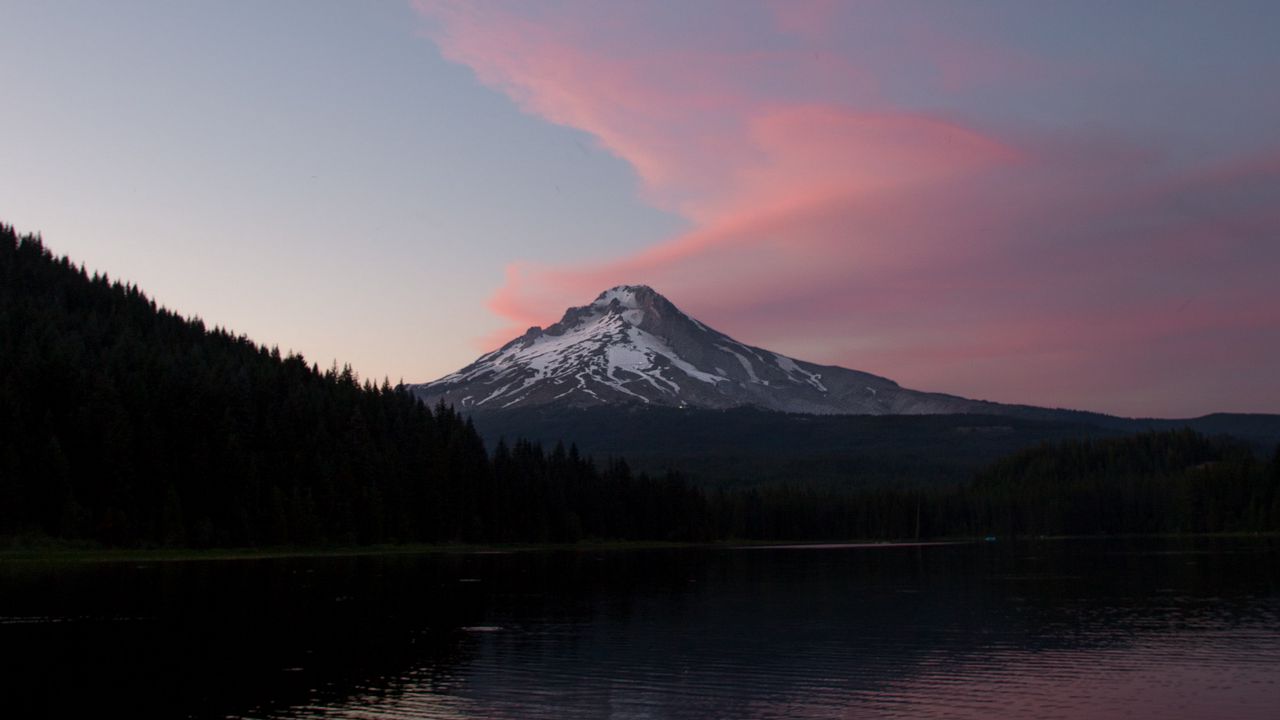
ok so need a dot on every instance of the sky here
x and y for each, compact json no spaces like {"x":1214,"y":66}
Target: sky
{"x":1067,"y":204}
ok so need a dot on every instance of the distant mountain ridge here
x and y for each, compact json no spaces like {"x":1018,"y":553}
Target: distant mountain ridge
{"x":632,"y":346}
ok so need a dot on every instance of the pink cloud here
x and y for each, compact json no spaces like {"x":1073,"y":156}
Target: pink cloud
{"x":807,"y":18}
{"x":1072,"y":272}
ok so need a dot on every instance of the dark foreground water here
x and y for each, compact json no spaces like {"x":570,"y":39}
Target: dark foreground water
{"x":1068,"y":629}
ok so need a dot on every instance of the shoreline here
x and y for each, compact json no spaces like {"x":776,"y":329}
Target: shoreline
{"x":55,"y":553}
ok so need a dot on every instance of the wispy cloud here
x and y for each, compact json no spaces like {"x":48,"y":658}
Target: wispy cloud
{"x":838,"y":223}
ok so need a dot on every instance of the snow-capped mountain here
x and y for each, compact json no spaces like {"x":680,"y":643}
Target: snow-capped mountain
{"x":632,"y":346}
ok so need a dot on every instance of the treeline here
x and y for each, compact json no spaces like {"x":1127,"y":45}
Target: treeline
{"x":1158,"y":482}
{"x":122,"y":423}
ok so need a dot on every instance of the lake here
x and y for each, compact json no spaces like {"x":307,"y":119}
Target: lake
{"x":1168,"y":628}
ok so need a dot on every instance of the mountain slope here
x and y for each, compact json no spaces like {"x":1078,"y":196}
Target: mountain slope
{"x":632,"y":346}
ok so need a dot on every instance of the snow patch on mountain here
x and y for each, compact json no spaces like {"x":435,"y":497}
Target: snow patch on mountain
{"x":632,"y":345}
{"x":791,"y":368}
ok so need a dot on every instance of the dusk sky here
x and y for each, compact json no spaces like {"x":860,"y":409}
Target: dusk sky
{"x":1071,"y":204}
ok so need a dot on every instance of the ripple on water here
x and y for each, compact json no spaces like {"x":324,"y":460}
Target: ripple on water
{"x":967,"y":631}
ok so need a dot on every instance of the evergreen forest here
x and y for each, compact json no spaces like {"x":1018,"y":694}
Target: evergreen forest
{"x":126,"y":424}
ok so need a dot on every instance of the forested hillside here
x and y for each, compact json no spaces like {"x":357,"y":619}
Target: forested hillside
{"x":1161,"y":482}
{"x":124,"y":423}
{"x":739,"y":448}
{"x":1157,"y":482}
{"x":744,"y":447}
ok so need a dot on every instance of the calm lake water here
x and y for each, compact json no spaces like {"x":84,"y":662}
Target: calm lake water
{"x":1063,"y":629}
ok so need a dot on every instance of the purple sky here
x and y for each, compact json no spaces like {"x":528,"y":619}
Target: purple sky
{"x":1071,"y":204}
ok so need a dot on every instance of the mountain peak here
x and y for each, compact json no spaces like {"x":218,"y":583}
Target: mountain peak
{"x":634,"y":305}
{"x":632,"y":297}
{"x":633,"y":346}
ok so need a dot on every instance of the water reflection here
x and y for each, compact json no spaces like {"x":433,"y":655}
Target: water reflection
{"x":1062,"y":629}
